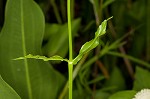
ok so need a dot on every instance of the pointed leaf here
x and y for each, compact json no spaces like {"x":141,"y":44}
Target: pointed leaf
{"x":93,"y":43}
{"x":101,"y":29}
{"x":22,"y":34}
{"x":85,"y":48}
{"x":6,"y":92}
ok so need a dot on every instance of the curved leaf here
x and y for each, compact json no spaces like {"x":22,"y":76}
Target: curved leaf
{"x":23,"y":34}
{"x":93,"y":43}
{"x":6,"y":92}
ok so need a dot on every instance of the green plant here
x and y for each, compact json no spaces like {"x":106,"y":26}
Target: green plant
{"x":118,"y":67}
{"x":88,"y":46}
{"x":84,"y":49}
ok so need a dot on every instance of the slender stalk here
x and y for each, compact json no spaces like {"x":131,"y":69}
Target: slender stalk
{"x":69,"y":30}
{"x":70,"y":64}
{"x":75,"y":72}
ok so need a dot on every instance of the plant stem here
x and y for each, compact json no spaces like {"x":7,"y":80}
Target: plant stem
{"x":75,"y":72}
{"x":69,"y":30}
{"x":70,"y":64}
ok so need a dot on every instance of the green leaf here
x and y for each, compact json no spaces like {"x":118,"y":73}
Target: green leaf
{"x":6,"y":92}
{"x":51,"y":29}
{"x":23,"y":34}
{"x":141,"y":79}
{"x":123,"y":95}
{"x":57,"y":38}
{"x":56,"y":57}
{"x":116,"y":80}
{"x":88,"y":46}
{"x":101,"y":29}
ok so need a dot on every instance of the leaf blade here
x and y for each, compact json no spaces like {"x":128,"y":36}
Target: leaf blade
{"x":88,"y":46}
{"x":42,"y":77}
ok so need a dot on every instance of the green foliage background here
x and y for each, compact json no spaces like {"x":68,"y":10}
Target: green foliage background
{"x":118,"y":68}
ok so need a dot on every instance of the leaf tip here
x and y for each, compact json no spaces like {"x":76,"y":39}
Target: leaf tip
{"x":18,"y":58}
{"x":110,"y":18}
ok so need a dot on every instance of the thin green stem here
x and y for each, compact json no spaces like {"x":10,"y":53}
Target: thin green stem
{"x":75,"y":72}
{"x":69,"y":30}
{"x":70,"y":64}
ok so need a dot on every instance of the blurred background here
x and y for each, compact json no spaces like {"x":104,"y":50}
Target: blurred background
{"x":125,"y":45}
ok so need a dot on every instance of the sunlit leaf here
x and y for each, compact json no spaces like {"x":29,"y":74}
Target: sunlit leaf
{"x":88,"y":46}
